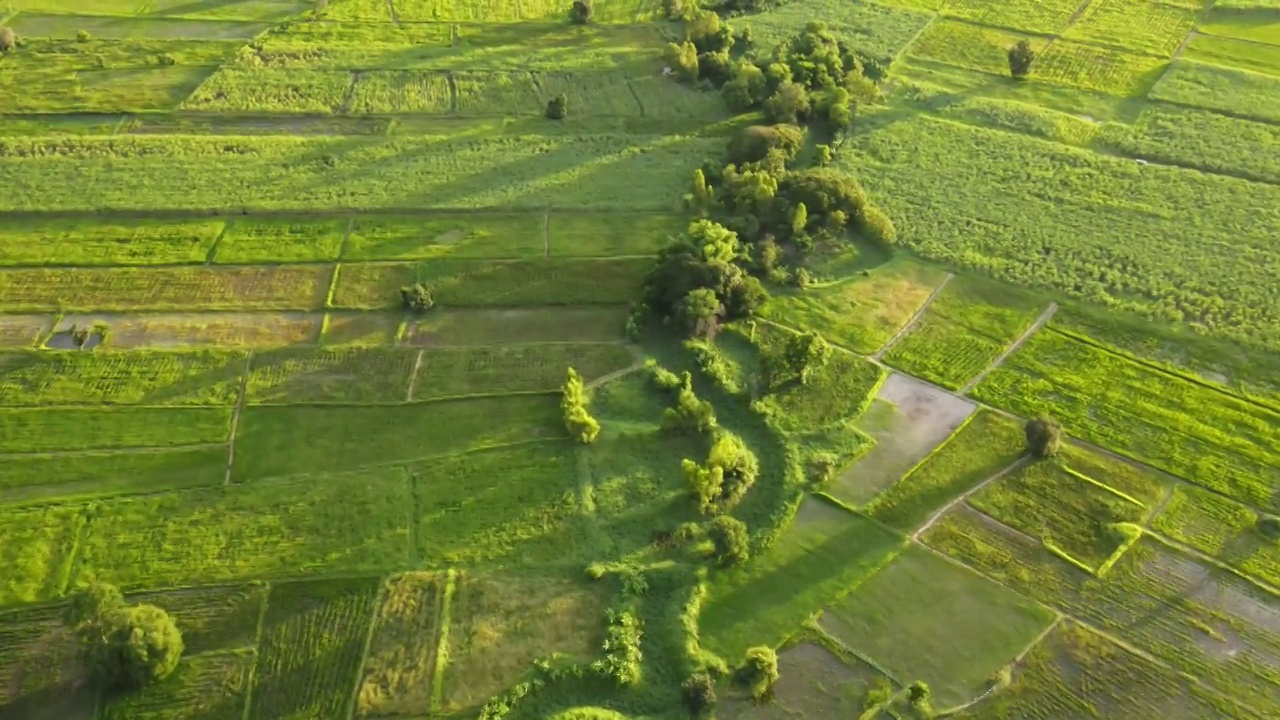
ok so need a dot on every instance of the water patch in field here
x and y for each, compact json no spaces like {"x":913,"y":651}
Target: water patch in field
{"x":74,"y":339}
{"x":908,"y":419}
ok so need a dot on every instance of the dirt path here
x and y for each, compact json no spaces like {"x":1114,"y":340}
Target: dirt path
{"x":1015,"y":465}
{"x":413,"y":376}
{"x":235,"y":416}
{"x":1185,"y":42}
{"x":1040,"y":322}
{"x":636,"y":364}
{"x":902,"y":331}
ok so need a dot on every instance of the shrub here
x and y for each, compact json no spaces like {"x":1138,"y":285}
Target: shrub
{"x":1021,"y":56}
{"x":729,"y":537}
{"x":124,"y":647}
{"x":1044,"y":437}
{"x":689,"y":413}
{"x":877,"y":227}
{"x":166,"y":60}
{"x":558,"y":107}
{"x":83,"y":36}
{"x":8,"y":40}
{"x":700,"y":312}
{"x":664,"y":378}
{"x":746,"y":88}
{"x":804,"y":353}
{"x":788,"y":104}
{"x":622,"y":656}
{"x":759,"y":671}
{"x":753,"y":143}
{"x":580,"y":13}
{"x":416,"y":298}
{"x":683,"y":59}
{"x":699,"y":693}
{"x":1269,"y":526}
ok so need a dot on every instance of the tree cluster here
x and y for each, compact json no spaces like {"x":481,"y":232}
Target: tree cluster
{"x":573,"y":404}
{"x":801,"y":355}
{"x":416,"y":298}
{"x":689,"y":414}
{"x":730,"y":470}
{"x":124,"y":646}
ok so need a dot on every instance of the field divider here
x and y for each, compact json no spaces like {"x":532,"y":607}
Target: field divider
{"x":915,"y":318}
{"x":871,"y":504}
{"x":1104,"y":487}
{"x":217,"y":242}
{"x":236,"y":411}
{"x":413,"y":376}
{"x":257,"y":639}
{"x":333,"y":286}
{"x":546,"y":234}
{"x":442,"y":640}
{"x":378,"y":599}
{"x":72,"y":567}
{"x":1013,"y":347}
{"x":1011,"y":468}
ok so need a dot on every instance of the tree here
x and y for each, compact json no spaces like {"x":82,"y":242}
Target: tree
{"x":416,"y":298}
{"x":701,"y":191}
{"x":706,"y":483}
{"x":8,"y":40}
{"x":804,"y":353}
{"x":689,"y":413}
{"x":124,"y":646}
{"x":700,"y":311}
{"x":699,"y":693}
{"x":683,"y":59}
{"x":918,"y":698}
{"x":729,"y":538}
{"x":1044,"y":437}
{"x":573,"y":404}
{"x":753,"y":143}
{"x":788,"y":104}
{"x":759,"y":671}
{"x":580,"y":13}
{"x":799,"y":219}
{"x":1021,"y":56}
{"x":558,"y":107}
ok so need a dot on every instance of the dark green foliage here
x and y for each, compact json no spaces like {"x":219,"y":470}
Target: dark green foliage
{"x":581,"y":426}
{"x":699,"y":311}
{"x":707,"y":256}
{"x":747,"y":87}
{"x":704,"y":29}
{"x":699,"y":693}
{"x":832,"y":199}
{"x":689,"y":414}
{"x":753,"y":143}
{"x":558,"y":107}
{"x":124,"y":647}
{"x":1269,"y":527}
{"x":714,"y":67}
{"x":759,"y":671}
{"x":730,"y":470}
{"x":729,"y":537}
{"x":580,"y":12}
{"x":1044,"y":437}
{"x":804,"y":353}
{"x":788,"y":104}
{"x":8,"y":40}
{"x":416,"y":298}
{"x":1021,"y":57}
{"x":918,"y":700}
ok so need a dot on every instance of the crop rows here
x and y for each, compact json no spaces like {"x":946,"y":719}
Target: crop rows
{"x":107,"y":243}
{"x":304,"y":375}
{"x":234,"y":89}
{"x":1238,"y":92}
{"x":1257,"y":57}
{"x":401,"y":91}
{"x":147,"y":89}
{"x":1096,"y":68}
{"x":1199,"y":139}
{"x":479,"y":235}
{"x":196,"y":377}
{"x":523,"y":93}
{"x":210,"y":687}
{"x":36,"y":477}
{"x":400,"y":670}
{"x":586,"y":324}
{"x":1223,"y":529}
{"x":214,"y":618}
{"x":451,"y":372}
{"x":37,"y":670}
{"x":970,"y":46}
{"x":36,"y":548}
{"x":1045,"y":17}
{"x":109,"y":428}
{"x":878,"y":30}
{"x":1223,"y":442}
{"x":1135,"y":25}
{"x":290,"y":240}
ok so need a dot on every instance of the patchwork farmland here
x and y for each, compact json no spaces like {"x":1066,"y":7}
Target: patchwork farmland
{"x":596,"y":360}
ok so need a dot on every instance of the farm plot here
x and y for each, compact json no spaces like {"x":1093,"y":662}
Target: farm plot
{"x":136,"y":89}
{"x":23,"y":331}
{"x":121,"y":242}
{"x":217,"y":329}
{"x":46,"y":59}
{"x":454,"y":372}
{"x":39,"y":674}
{"x":508,"y":506}
{"x":282,"y":440}
{"x":301,"y":287}
{"x":37,"y":548}
{"x":470,"y":235}
{"x":272,"y":90}
{"x":986,"y":444}
{"x":813,"y":682}
{"x":1095,"y":68}
{"x":925,"y":618}
{"x":110,"y":428}
{"x":1071,"y":516}
{"x":1225,"y":443}
{"x":517,"y":325}
{"x":963,"y":330}
{"x":1076,"y":674}
{"x":213,"y":618}
{"x":582,"y":235}
{"x":1236,"y":53}
{"x":861,"y":314}
{"x":36,"y":477}
{"x":281,"y":240}
{"x":840,"y":390}
{"x":970,"y":46}
{"x":627,"y":11}
{"x":1200,"y":139}
{"x":877,"y":30}
{"x":400,"y":670}
{"x":504,"y":621}
{"x":348,"y":375}
{"x":255,"y":530}
{"x":1033,"y":16}
{"x":361,"y":328}
{"x":66,"y":27}
{"x":525,"y":93}
{"x":313,"y":638}
{"x":555,"y":281}
{"x":1236,"y":92}
{"x":1135,"y":25}
{"x":1249,"y":20}
{"x":823,"y":553}
{"x":1223,"y":529}
{"x":209,"y":687}
{"x":908,"y":420}
{"x":193,"y":377}
{"x":401,"y":91}
{"x":1017,"y":116}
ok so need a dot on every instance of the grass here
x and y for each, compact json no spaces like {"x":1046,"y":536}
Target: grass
{"x":524,"y":93}
{"x":964,"y":330}
{"x":37,"y":547}
{"x":64,"y":242}
{"x":567,"y":324}
{"x":348,"y":375}
{"x":295,"y":240}
{"x":982,"y":447}
{"x":296,"y":440}
{"x":141,"y":90}
{"x":1221,"y":528}
{"x":1100,"y":69}
{"x":31,"y":478}
{"x":1224,"y":442}
{"x":861,"y":313}
{"x":1238,"y":92}
{"x":246,"y":531}
{"x":824,"y":553}
{"x":1145,"y":26}
{"x":436,"y":236}
{"x":1225,"y":51}
{"x":839,"y":391}
{"x":454,"y":372}
{"x":505,"y":506}
{"x":400,"y":668}
{"x":1199,"y":139}
{"x":1251,"y":21}
{"x":272,"y":91}
{"x":969,"y":46}
{"x":1046,"y":18}
{"x":110,"y":428}
{"x":579,"y":235}
{"x":313,"y":638}
{"x":401,"y":91}
{"x":194,"y":377}
{"x":928,"y":619}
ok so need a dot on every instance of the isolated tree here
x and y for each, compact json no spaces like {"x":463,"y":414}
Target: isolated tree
{"x":806,"y":352}
{"x":558,"y":107}
{"x":580,"y":13}
{"x":573,"y":403}
{"x":699,"y":693}
{"x":1269,"y":527}
{"x":729,"y":537}
{"x":8,"y":40}
{"x":759,"y":671}
{"x":416,"y":298}
{"x":1044,"y":437}
{"x":124,"y":646}
{"x":918,"y":699}
{"x":1021,"y":56}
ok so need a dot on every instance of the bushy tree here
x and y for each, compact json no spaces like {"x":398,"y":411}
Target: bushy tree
{"x":700,"y":312}
{"x":8,"y":40}
{"x":124,"y":646}
{"x":759,"y":671}
{"x":788,"y":104}
{"x":730,"y":470}
{"x":919,"y":700}
{"x":689,"y":414}
{"x":580,"y":12}
{"x":806,"y":352}
{"x":683,"y":59}
{"x":416,"y":298}
{"x":753,"y":143}
{"x":699,"y":693}
{"x":1044,"y":437}
{"x":706,"y":484}
{"x":1021,"y":57}
{"x":746,"y":88}
{"x":729,"y":537}
{"x":573,"y":404}
{"x":558,"y":107}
